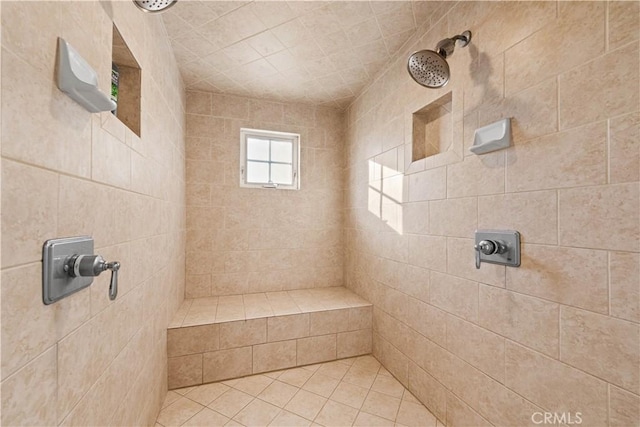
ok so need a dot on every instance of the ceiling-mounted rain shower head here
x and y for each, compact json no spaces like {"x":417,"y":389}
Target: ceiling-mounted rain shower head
{"x":429,"y":68}
{"x":154,"y":6}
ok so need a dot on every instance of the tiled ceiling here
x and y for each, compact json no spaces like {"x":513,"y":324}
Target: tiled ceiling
{"x":304,"y":51}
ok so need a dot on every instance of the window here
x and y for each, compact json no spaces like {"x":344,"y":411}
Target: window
{"x":269,"y":159}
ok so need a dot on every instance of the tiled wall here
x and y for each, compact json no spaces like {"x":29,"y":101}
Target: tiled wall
{"x":561,"y":333}
{"x":242,"y":240}
{"x":87,"y":360}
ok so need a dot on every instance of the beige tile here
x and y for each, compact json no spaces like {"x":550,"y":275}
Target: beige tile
{"x":623,"y":23}
{"x":349,"y":394}
{"x":571,"y":158}
{"x":110,"y":158}
{"x":286,"y":418}
{"x":243,"y":333}
{"x":27,"y":324}
{"x":413,"y":414}
{"x":534,"y":111}
{"x":295,"y":377}
{"x":624,"y":408}
{"x":202,"y":311}
{"x":534,"y":214}
{"x":306,"y":404}
{"x":321,"y":384}
{"x":454,"y":295}
{"x":530,"y":321}
{"x":198,"y":102}
{"x":428,"y":390}
{"x":328,"y":322}
{"x":182,"y":311}
{"x":257,"y":413}
{"x":316,"y":349}
{"x":354,"y":343}
{"x":555,"y":386}
{"x":501,"y":406}
{"x":278,"y":393}
{"x":365,"y":419}
{"x":360,"y":377}
{"x":575,"y":277}
{"x":198,"y":286}
{"x":521,"y":71}
{"x":454,"y":217}
{"x":624,"y":154}
{"x":610,"y":213}
{"x":179,"y":412}
{"x":197,"y":339}
{"x":360,"y":318}
{"x":428,"y":252}
{"x":224,"y":364}
{"x":257,"y":305}
{"x":275,"y":355}
{"x":288,"y":327}
{"x":62,"y":139}
{"x":460,"y":414}
{"x":388,"y":385}
{"x":230,"y":308}
{"x":336,"y":414}
{"x":624,"y":269}
{"x":461,"y":263}
{"x":428,"y":185}
{"x":207,"y":393}
{"x":620,"y":94}
{"x":381,"y":405}
{"x":29,"y":395}
{"x":30,"y":207}
{"x":602,"y":346}
{"x":476,"y":176}
{"x":253,"y":384}
{"x":415,"y":217}
{"x":335,"y":369}
{"x":481,"y":348}
{"x":231,"y":402}
{"x":366,"y":363}
{"x":206,"y":417}
{"x":171,"y":397}
{"x":203,"y":126}
{"x":185,"y":370}
{"x":282,"y":303}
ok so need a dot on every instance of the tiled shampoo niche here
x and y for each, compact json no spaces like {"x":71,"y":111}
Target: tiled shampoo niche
{"x":433,"y":132}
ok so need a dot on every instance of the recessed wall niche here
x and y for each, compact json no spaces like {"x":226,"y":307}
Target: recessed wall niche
{"x":129,"y":83}
{"x":432,"y":128}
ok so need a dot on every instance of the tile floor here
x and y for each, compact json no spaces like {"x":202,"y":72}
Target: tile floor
{"x":356,"y":391}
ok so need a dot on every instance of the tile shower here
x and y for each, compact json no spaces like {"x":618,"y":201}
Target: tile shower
{"x":494,"y":346}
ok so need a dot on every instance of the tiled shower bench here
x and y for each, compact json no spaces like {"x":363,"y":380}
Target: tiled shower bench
{"x":218,"y":338}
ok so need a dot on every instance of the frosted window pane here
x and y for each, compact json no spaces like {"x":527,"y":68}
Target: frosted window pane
{"x":257,"y":149}
{"x":257,"y":172}
{"x":282,"y":174}
{"x":281,"y":151}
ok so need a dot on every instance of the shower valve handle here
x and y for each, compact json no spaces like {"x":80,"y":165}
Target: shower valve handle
{"x":93,"y":265}
{"x":489,"y":247}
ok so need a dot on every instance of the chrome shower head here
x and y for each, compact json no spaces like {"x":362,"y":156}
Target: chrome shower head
{"x":430,"y":68}
{"x":154,"y":6}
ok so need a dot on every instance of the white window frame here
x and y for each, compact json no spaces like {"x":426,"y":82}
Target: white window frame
{"x":294,"y":138}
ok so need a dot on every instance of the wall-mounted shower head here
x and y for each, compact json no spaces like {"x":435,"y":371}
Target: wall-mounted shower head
{"x":154,"y":6}
{"x":430,"y":68}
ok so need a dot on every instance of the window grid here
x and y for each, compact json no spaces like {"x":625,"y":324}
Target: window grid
{"x":270,"y":162}
{"x":288,"y":155}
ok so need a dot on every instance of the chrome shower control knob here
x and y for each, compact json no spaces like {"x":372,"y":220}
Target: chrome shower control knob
{"x":487,"y":247}
{"x":91,"y":266}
